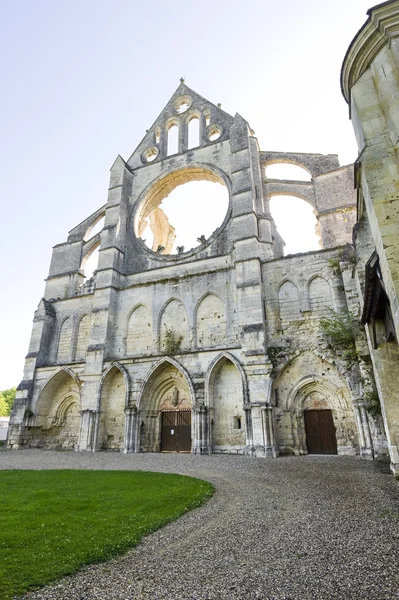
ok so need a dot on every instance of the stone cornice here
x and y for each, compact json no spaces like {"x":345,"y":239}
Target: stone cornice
{"x":382,"y":25}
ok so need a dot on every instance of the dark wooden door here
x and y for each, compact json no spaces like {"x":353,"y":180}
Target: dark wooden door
{"x":320,"y":432}
{"x":176,"y":431}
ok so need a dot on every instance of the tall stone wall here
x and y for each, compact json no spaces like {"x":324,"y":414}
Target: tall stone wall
{"x":369,"y":81}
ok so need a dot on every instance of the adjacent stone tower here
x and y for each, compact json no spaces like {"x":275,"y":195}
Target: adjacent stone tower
{"x":370,"y":84}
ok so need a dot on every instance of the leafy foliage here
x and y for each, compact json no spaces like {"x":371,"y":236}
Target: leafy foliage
{"x":53,"y":522}
{"x":172,"y":341}
{"x":334,"y":264}
{"x":341,"y":329}
{"x":7,"y":398}
{"x":3,"y":407}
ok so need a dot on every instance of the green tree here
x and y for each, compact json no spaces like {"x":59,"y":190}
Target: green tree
{"x":7,"y":398}
{"x":341,"y":330}
{"x":3,"y":406}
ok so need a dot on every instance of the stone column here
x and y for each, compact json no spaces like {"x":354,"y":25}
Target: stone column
{"x":249,"y":449}
{"x":201,"y":442}
{"x":362,"y":442}
{"x":88,"y":430}
{"x":368,"y":451}
{"x":268,"y":417}
{"x":362,"y":421}
{"x":130,"y":442}
{"x":263,"y":430}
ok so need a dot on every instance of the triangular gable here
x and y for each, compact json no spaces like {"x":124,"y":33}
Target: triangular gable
{"x":184,"y":105}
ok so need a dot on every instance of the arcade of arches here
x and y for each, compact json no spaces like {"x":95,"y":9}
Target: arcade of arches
{"x":169,"y":416}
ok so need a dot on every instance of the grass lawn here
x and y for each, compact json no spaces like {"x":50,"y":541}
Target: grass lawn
{"x":53,"y":522}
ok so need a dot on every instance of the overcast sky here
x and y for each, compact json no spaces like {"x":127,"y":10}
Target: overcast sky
{"x":84,"y":79}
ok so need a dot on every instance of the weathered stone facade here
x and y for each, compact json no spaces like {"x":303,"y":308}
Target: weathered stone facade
{"x":370,"y":84}
{"x":227,"y":333}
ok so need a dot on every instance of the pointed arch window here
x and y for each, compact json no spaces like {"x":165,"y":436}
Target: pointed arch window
{"x":193,"y":133}
{"x":320,"y":297}
{"x":173,"y":140}
{"x":288,"y":300}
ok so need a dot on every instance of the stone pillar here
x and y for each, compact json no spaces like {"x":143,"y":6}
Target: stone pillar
{"x":368,"y":452}
{"x":130,"y":443}
{"x":248,"y":428}
{"x":362,"y":442}
{"x":88,"y":430}
{"x":201,"y":442}
{"x":362,"y":421}
{"x":263,"y":430}
{"x":268,"y":417}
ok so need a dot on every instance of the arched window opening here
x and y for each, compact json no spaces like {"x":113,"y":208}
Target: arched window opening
{"x":94,"y":228}
{"x":173,"y":140}
{"x":193,"y":133}
{"x":90,"y":262}
{"x":211,"y":322}
{"x":320,"y":297}
{"x":296,"y":223}
{"x":287,"y":171}
{"x":139,"y":331}
{"x":173,"y":327}
{"x":157,"y":135}
{"x":288,"y":300}
{"x":207,"y":118}
{"x":189,"y":215}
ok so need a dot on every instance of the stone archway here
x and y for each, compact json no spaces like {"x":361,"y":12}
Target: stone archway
{"x":57,"y":415}
{"x":226,"y":405}
{"x":321,"y":421}
{"x":111,"y":427}
{"x":310,"y":382}
{"x":164,"y":409}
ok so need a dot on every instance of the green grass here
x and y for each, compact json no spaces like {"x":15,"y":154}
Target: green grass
{"x":53,"y":522}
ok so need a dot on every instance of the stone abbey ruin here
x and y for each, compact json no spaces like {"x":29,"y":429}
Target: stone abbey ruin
{"x":223,"y":347}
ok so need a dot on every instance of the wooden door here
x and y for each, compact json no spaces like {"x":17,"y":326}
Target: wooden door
{"x":320,"y":432}
{"x":176,"y":431}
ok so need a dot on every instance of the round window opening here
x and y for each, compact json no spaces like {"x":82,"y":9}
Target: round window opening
{"x":214,"y":133}
{"x":183,"y":104}
{"x":182,"y":211}
{"x":150,"y":154}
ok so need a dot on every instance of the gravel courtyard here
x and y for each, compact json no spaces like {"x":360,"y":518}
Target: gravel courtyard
{"x":293,"y":528}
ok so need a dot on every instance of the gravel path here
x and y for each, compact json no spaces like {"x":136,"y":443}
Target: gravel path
{"x":295,"y":528}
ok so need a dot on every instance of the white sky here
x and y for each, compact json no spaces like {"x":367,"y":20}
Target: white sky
{"x":84,"y":79}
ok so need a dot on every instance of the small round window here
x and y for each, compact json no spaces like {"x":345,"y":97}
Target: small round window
{"x":214,"y":133}
{"x":183,"y":104}
{"x":150,"y":154}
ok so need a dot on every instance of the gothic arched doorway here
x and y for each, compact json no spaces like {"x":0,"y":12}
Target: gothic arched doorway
{"x":165,"y":411}
{"x":320,"y":432}
{"x":319,"y":427}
